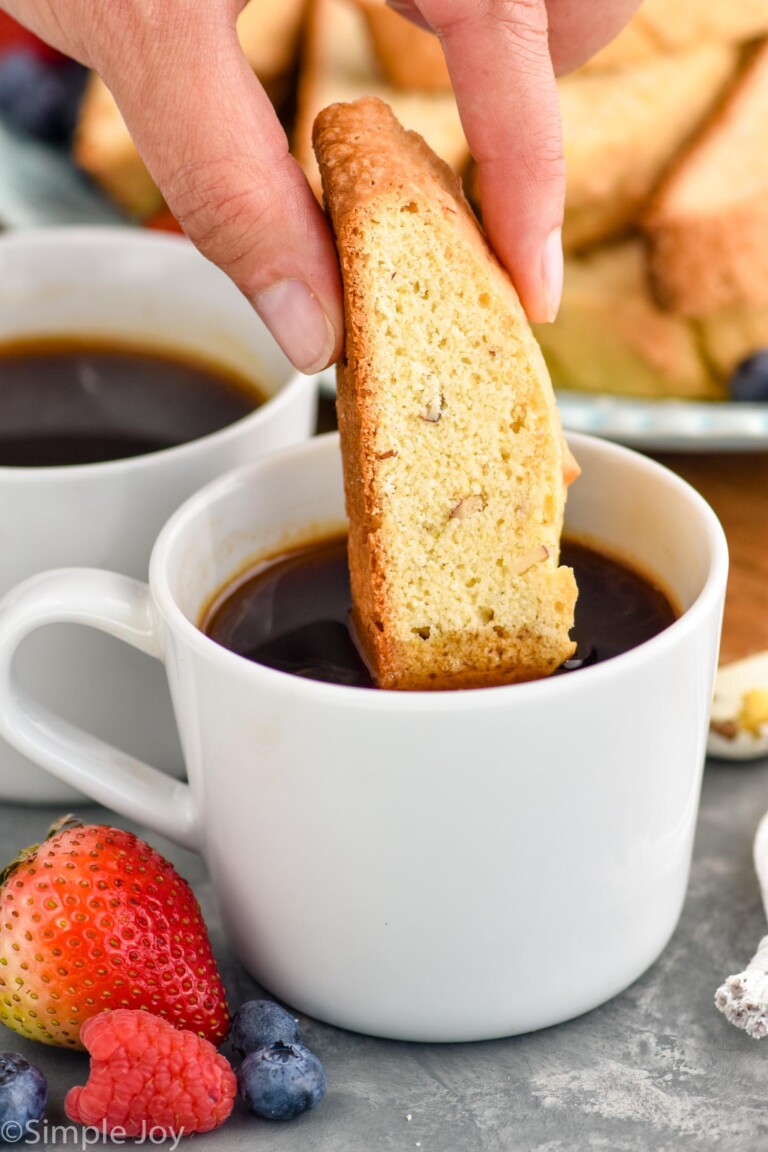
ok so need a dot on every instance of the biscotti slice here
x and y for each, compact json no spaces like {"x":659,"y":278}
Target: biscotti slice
{"x":451,"y":442}
{"x":339,"y":64}
{"x":707,"y":227}
{"x":621,"y":131}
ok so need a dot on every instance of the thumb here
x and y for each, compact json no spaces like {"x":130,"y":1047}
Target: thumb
{"x":498,"y":56}
{"x":212,"y":142}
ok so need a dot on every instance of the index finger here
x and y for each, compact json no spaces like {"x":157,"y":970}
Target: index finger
{"x":498,"y":56}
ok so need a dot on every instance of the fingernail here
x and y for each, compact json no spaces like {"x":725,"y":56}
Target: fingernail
{"x":296,"y":320}
{"x":403,"y":8}
{"x":552,"y":272}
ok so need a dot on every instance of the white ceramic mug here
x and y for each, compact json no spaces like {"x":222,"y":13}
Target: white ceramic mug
{"x":157,"y":291}
{"x":426,"y":866}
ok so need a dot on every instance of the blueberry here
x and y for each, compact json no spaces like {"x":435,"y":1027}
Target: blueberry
{"x":40,"y":98}
{"x":23,"y":1097}
{"x":261,"y":1023}
{"x":749,"y":380}
{"x":282,"y":1081}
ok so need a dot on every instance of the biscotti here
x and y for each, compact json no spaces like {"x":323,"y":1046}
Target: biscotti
{"x":453,"y":455}
{"x":731,"y":335}
{"x":707,"y":227}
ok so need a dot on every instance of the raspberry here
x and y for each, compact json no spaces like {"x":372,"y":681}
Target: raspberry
{"x":146,"y":1074}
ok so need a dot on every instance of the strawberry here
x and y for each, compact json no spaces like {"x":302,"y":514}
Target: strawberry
{"x":94,"y":918}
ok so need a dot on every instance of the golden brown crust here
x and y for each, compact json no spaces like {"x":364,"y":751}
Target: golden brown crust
{"x":432,"y":508}
{"x":698,"y":267}
{"x":377,"y":158}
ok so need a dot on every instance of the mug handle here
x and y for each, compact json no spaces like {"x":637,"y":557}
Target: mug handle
{"x":123,"y":608}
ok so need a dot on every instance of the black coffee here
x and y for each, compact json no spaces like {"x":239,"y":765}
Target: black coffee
{"x":292,"y":613}
{"x":81,"y":401}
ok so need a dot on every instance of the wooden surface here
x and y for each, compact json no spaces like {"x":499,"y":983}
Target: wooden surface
{"x":736,"y":486}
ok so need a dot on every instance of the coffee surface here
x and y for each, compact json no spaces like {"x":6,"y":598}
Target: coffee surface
{"x":66,"y":402}
{"x":292,"y":613}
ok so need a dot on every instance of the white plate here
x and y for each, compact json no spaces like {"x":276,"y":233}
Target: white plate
{"x":671,"y":425}
{"x":40,"y":186}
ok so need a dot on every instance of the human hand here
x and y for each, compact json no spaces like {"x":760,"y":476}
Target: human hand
{"x":213,"y":144}
{"x":503,"y":56}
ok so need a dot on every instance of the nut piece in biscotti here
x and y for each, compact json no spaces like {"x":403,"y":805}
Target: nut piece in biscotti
{"x":454,"y":460}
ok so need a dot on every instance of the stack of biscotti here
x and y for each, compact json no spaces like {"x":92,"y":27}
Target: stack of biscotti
{"x":670,"y":26}
{"x":348,"y":52}
{"x":707,"y":227}
{"x":666,"y":225}
{"x":622,"y":130}
{"x":455,"y":465}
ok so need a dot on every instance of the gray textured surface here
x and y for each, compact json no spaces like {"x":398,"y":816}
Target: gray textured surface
{"x":657,"y":1068}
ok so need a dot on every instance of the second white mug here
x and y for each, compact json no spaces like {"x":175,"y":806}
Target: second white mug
{"x":151,"y":290}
